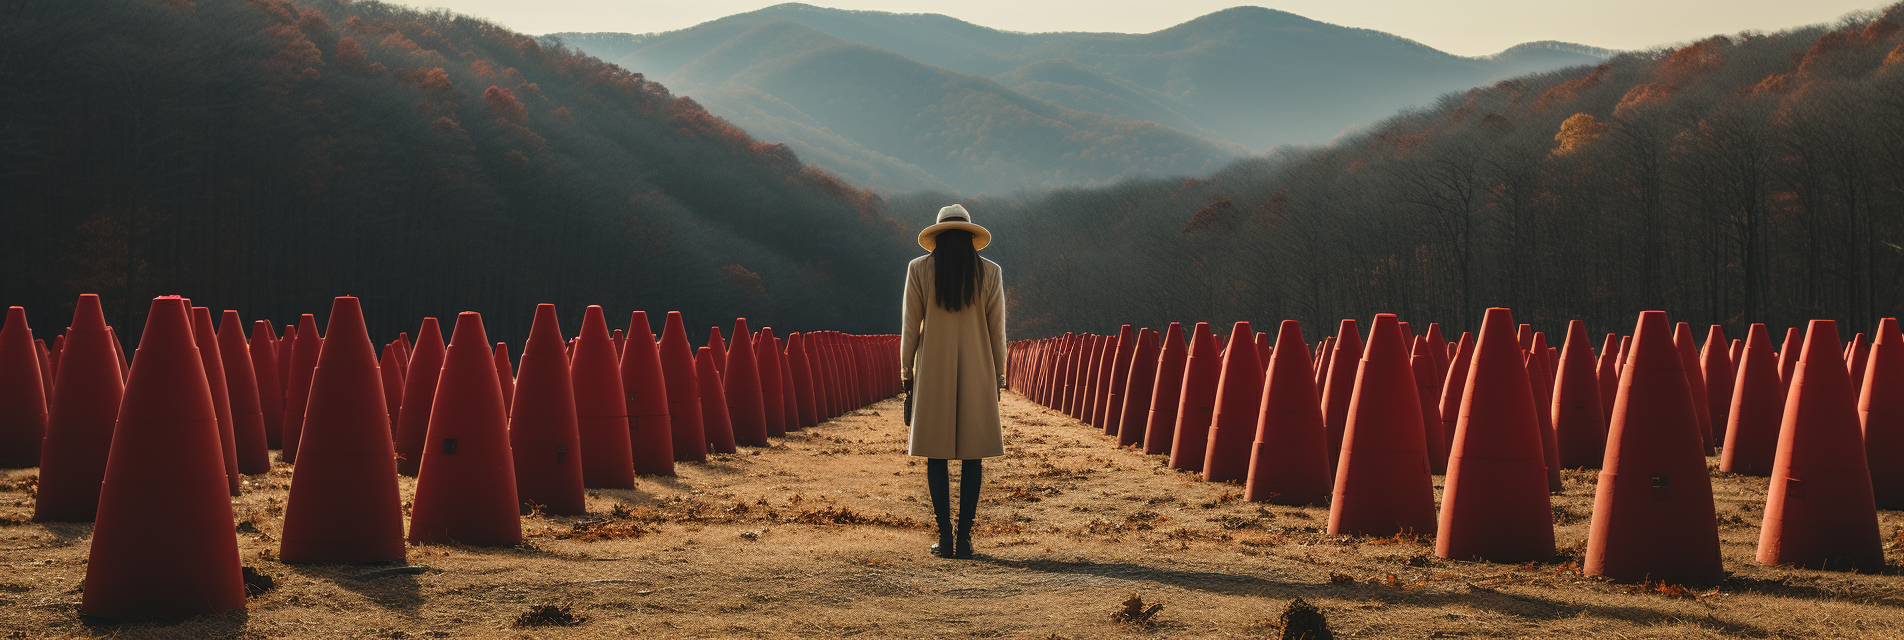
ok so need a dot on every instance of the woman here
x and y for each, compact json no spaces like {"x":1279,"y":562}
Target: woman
{"x":952,"y":357}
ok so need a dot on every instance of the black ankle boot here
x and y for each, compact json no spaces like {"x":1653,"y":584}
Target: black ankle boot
{"x":946,"y":547}
{"x":962,"y":547}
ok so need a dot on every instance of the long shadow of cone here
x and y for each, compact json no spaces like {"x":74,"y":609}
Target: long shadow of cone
{"x":601,"y":406}
{"x":1757,"y":409}
{"x":1196,"y":403}
{"x":86,"y":393}
{"x":1653,"y":514}
{"x":466,"y":486}
{"x":1496,"y":504}
{"x":344,"y":505}
{"x":1428,"y":389}
{"x":214,"y":364}
{"x":241,"y":387}
{"x":1454,"y":386}
{"x":1382,"y":484}
{"x":1579,"y":427}
{"x":772,"y":387}
{"x":1289,"y":463}
{"x":1338,"y":386}
{"x":1239,"y":393}
{"x":740,"y":382}
{"x":1820,"y":511}
{"x":720,"y":432}
{"x":163,"y":545}
{"x":419,"y":396}
{"x":1880,"y":407}
{"x":297,"y":393}
{"x":650,"y":426}
{"x":1112,"y":412}
{"x":1140,"y":386}
{"x":544,"y":438}
{"x":689,"y":435}
{"x":22,"y":395}
{"x":802,"y":369}
{"x":1716,"y":368}
{"x":264,"y":364}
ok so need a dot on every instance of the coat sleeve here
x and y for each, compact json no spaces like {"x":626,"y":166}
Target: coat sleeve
{"x":912,"y":316}
{"x":995,"y":321}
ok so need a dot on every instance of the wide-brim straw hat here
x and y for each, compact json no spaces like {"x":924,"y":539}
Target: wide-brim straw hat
{"x":954,"y":217}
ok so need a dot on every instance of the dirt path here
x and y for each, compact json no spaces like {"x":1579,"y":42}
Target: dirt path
{"x":824,"y":535}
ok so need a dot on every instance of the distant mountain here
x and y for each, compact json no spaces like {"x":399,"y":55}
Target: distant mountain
{"x":1244,"y":76}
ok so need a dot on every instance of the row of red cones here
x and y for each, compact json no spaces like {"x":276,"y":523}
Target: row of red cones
{"x":1363,"y":428}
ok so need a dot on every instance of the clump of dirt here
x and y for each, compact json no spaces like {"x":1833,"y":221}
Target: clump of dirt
{"x":548,"y":615}
{"x":1303,"y":621}
{"x":599,"y":530}
{"x":256,"y":584}
{"x":1135,"y":612}
{"x":843,"y":515}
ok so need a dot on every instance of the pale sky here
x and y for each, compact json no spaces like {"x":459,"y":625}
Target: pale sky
{"x":1463,"y":27}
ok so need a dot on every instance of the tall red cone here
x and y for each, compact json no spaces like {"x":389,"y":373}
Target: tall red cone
{"x":1081,"y":377}
{"x":1820,"y":511}
{"x":601,"y":406}
{"x":214,"y":365}
{"x":740,"y":381}
{"x":545,"y":440}
{"x":684,"y":392}
{"x":1607,"y":373}
{"x":419,"y":396}
{"x":344,"y":504}
{"x":1338,"y":386}
{"x":1196,"y":401}
{"x":1102,"y":352}
{"x":1428,"y":389}
{"x":1438,"y":346}
{"x":125,"y":365}
{"x":1579,"y":427}
{"x":1454,"y":386}
{"x":1856,"y":355}
{"x":650,"y":427}
{"x":391,"y":367}
{"x":297,"y":394}
{"x":621,"y":342}
{"x":1495,"y":504}
{"x":163,"y":545}
{"x":1262,"y":349}
{"x":1160,"y":427}
{"x":45,"y":358}
{"x":1382,"y":485}
{"x":1716,"y":370}
{"x":772,"y":395}
{"x":1788,"y":358}
{"x":285,"y":347}
{"x":1738,"y":356}
{"x":241,"y":386}
{"x":1539,"y":377}
{"x":1880,"y":410}
{"x":1325,"y":357}
{"x":789,"y":395}
{"x":1239,"y":396}
{"x":1289,"y":461}
{"x":714,"y":418}
{"x":1140,"y":386}
{"x":802,"y":378}
{"x":264,"y":363}
{"x":1689,"y":360}
{"x":505,"y":376}
{"x":1653,"y":517}
{"x":79,"y":421}
{"x":466,"y":486}
{"x":22,"y":395}
{"x":1757,"y":409}
{"x":1112,"y":410}
{"x":719,"y":354}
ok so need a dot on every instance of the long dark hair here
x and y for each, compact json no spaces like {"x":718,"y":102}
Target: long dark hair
{"x":956,"y":272}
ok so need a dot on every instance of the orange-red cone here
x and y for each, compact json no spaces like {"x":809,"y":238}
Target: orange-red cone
{"x":1716,"y":370}
{"x":505,"y":376}
{"x":264,"y":363}
{"x":1262,"y":349}
{"x":719,"y":354}
{"x":772,"y":396}
{"x":1239,"y":394}
{"x":1428,"y":389}
{"x":344,"y":504}
{"x":1112,"y":410}
{"x":790,"y":403}
{"x":1105,"y":353}
{"x":1196,"y":401}
{"x":1820,"y":511}
{"x":714,"y":418}
{"x":740,"y":381}
{"x":650,"y":428}
{"x":214,"y":365}
{"x":1139,"y":386}
{"x":285,"y":346}
{"x":1438,"y":347}
{"x":1689,"y":359}
{"x":1496,"y":503}
{"x":1607,"y":373}
{"x":1788,"y":358}
{"x":163,"y":544}
{"x":1856,"y":355}
{"x":1738,"y":356}
{"x":419,"y":397}
{"x":684,"y":392}
{"x":802,"y":378}
{"x":79,"y":422}
{"x":1579,"y":427}
{"x":241,"y":386}
{"x":22,"y":395}
{"x":391,"y":367}
{"x":45,"y":358}
{"x":1338,"y":386}
{"x":297,"y":394}
{"x":1652,"y":513}
{"x":1289,"y":461}
{"x":466,"y":486}
{"x":1757,"y":409}
{"x":1538,"y":377}
{"x":1880,"y":409}
{"x":1454,"y":386}
{"x":1325,"y":357}
{"x":621,"y":342}
{"x":601,"y":407}
{"x":544,"y":438}
{"x":1160,"y":427}
{"x":1382,"y":485}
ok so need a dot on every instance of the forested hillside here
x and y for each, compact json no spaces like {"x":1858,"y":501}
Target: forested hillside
{"x":265,"y":155}
{"x":1751,"y":178}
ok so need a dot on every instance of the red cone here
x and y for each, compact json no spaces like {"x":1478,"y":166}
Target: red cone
{"x":1262,"y":349}
{"x":1103,"y":351}
{"x":650,"y":429}
{"x":1820,"y":511}
{"x":740,"y":381}
{"x":22,"y":395}
{"x":789,"y":396}
{"x":1716,"y":369}
{"x":684,"y":396}
{"x":1081,"y":377}
{"x":802,"y":378}
{"x":1196,"y":401}
{"x":1112,"y":409}
{"x":466,"y":486}
{"x":45,"y":358}
{"x":1689,"y":360}
{"x":1382,"y":485}
{"x":1439,"y":348}
{"x":285,"y":346}
{"x":772,"y":395}
{"x":1738,"y":356}
{"x":719,"y":353}
{"x":264,"y":363}
{"x":1428,"y":389}
{"x":1880,"y":409}
{"x":1139,"y":386}
{"x":1289,"y":461}
{"x":1538,"y":377}
{"x":419,"y":396}
{"x":79,"y":422}
{"x":125,"y":366}
{"x":1239,"y":396}
{"x":163,"y":545}
{"x":1788,"y":358}
{"x":391,"y":367}
{"x":1579,"y":427}
{"x":601,"y":407}
{"x":1495,"y":504}
{"x":241,"y":384}
{"x":1607,"y":373}
{"x":544,"y":437}
{"x":344,"y":504}
{"x":720,"y":429}
{"x":297,"y":394}
{"x":1454,"y":386}
{"x":214,"y":364}
{"x":505,"y":376}
{"x":621,"y":342}
{"x":1856,"y":355}
{"x":1653,"y":517}
{"x":1338,"y":386}
{"x":1757,"y":409}
{"x":1325,"y":357}
{"x":1160,"y":427}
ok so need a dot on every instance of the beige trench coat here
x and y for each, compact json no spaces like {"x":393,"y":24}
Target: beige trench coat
{"x":955,"y":361}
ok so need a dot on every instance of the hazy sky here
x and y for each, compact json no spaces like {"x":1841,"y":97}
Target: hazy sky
{"x":1465,"y":27}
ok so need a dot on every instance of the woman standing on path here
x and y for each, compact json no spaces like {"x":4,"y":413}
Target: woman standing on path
{"x":952,"y":358}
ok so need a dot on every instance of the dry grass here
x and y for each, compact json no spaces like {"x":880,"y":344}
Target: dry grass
{"x":824,"y":534}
